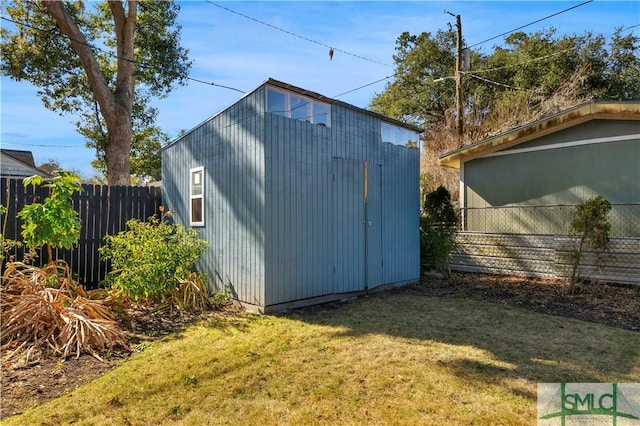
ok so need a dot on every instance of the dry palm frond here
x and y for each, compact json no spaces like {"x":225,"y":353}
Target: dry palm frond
{"x":44,"y":308}
{"x":192,"y":293}
{"x":32,"y":320}
{"x":88,"y":328}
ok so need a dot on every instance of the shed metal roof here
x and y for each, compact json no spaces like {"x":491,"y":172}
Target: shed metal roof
{"x":545,"y":126}
{"x":310,"y":94}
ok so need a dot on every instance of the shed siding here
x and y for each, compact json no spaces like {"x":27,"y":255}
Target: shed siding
{"x":374,"y":217}
{"x":321,"y":238}
{"x":298,"y":184}
{"x":315,"y":210}
{"x":348,"y":211}
{"x":400,"y":212}
{"x":285,"y":211}
{"x":230,"y":147}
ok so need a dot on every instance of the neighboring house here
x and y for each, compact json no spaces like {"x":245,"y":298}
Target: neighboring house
{"x":526,"y":181}
{"x":303,"y":198}
{"x":18,"y":164}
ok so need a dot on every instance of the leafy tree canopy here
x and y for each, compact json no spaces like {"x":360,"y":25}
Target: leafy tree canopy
{"x":529,"y":71}
{"x":102,"y":62}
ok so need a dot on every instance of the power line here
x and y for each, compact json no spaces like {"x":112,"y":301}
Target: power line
{"x":493,"y":69}
{"x":531,"y":23}
{"x":331,"y":48}
{"x":543,"y":57}
{"x":506,"y":66}
{"x":495,"y":82}
{"x":141,"y":64}
{"x":366,"y":85}
{"x":42,"y":145}
{"x":525,"y":62}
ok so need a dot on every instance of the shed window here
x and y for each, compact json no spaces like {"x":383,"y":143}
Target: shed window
{"x":298,"y":107}
{"x":196,"y":191}
{"x":399,"y":135}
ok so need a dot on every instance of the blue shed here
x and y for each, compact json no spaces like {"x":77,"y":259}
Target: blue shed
{"x":303,"y":199}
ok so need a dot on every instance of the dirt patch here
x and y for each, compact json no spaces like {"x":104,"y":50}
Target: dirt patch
{"x":24,"y":385}
{"x":42,"y":378}
{"x":613,"y":305}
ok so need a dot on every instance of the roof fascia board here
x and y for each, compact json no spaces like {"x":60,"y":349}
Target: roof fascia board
{"x":543,"y":127}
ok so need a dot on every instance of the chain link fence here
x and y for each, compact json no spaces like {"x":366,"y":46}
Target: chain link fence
{"x":534,"y":241}
{"x":545,"y":220}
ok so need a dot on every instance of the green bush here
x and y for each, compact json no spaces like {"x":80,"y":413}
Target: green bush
{"x":151,"y":258}
{"x":438,"y":228}
{"x":54,"y":222}
{"x":589,"y":230}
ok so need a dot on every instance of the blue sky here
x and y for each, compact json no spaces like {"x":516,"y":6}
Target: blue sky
{"x":238,"y":52}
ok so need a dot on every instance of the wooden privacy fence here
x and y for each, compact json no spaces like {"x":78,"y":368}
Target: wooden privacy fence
{"x":103,"y":210}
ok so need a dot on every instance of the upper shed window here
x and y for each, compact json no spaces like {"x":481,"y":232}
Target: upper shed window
{"x":293,"y":105}
{"x":399,"y":135}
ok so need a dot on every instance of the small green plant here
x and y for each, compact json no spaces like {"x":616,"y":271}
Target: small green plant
{"x":589,"y":229}
{"x":54,"y":222}
{"x":438,"y":228}
{"x":189,"y":380}
{"x":151,"y":258}
{"x":141,"y":347}
{"x":6,"y":245}
{"x":222,"y":297}
{"x":176,"y":411}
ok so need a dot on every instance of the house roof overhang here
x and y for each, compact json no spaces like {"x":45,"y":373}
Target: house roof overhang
{"x":537,"y":129}
{"x":25,"y":158}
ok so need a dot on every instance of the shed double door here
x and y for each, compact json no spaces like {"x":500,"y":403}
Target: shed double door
{"x":357,"y":225}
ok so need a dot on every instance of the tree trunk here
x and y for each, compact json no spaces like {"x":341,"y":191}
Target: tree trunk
{"x":118,"y":148}
{"x":115,"y":106}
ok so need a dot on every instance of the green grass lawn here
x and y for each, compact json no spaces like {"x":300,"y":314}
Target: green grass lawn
{"x":390,"y":358}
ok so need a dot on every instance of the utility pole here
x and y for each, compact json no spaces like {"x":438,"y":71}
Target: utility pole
{"x":458,"y":78}
{"x":459,"y":105}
